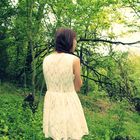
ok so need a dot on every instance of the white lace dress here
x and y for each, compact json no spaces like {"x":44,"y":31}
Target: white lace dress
{"x":63,"y":115}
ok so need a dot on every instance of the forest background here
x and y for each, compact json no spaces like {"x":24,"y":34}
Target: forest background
{"x":108,"y":45}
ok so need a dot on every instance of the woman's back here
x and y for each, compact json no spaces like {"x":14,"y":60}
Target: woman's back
{"x":58,"y":72}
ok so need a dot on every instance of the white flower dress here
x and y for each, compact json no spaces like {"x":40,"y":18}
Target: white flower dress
{"x":63,"y":115}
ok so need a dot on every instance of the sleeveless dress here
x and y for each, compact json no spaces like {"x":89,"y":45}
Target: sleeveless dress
{"x":63,"y":115}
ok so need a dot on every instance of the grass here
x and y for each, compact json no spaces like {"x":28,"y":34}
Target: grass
{"x":106,"y":120}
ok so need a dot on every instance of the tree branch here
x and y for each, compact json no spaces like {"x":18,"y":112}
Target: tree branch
{"x":97,"y":81}
{"x":108,"y":41}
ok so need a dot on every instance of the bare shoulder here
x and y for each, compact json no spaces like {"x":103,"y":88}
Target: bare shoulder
{"x":76,"y":63}
{"x":76,"y":59}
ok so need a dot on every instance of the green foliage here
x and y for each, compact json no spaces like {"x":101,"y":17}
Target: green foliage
{"x":113,"y":123}
{"x":27,"y":35}
{"x":17,"y":123}
{"x":106,"y":120}
{"x":135,"y":64}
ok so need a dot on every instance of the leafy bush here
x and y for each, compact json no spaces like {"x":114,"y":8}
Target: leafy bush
{"x":106,"y":120}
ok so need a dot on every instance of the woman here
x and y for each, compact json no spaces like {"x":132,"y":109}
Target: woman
{"x":63,"y":115}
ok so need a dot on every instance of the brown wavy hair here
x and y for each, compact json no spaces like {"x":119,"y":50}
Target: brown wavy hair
{"x":64,"y":40}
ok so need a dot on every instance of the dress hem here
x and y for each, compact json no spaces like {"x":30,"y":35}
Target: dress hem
{"x":69,"y":137}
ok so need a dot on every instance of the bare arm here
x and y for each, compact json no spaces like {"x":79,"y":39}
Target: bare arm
{"x":77,"y":71}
